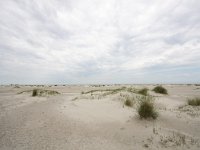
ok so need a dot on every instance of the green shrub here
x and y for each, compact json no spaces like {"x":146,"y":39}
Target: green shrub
{"x":146,"y":109}
{"x":160,"y":89}
{"x":143,"y":91}
{"x":194,"y":102}
{"x":35,"y":92}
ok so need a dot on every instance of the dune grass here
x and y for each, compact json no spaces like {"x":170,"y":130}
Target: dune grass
{"x":146,"y":108}
{"x":143,"y":91}
{"x":117,"y":90}
{"x":194,"y":102}
{"x":35,"y":93}
{"x":160,"y":89}
{"x":40,"y":92}
{"x":109,"y":91}
{"x":129,"y":102}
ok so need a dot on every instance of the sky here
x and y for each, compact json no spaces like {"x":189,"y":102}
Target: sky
{"x":99,"y":41}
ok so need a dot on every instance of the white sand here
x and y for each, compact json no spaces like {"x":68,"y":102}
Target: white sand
{"x":76,"y":121}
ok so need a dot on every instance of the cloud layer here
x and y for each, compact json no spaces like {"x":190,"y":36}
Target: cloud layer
{"x":99,"y":41}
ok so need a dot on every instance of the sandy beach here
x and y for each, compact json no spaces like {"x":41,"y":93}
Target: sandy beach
{"x":77,"y":120}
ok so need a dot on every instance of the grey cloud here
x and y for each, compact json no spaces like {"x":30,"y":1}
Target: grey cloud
{"x":97,"y":41}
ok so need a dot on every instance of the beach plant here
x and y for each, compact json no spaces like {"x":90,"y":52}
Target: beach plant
{"x":107,"y":91}
{"x":143,"y":91}
{"x":146,"y":108}
{"x":194,"y":102}
{"x":41,"y":92}
{"x":35,"y":92}
{"x":129,"y":102}
{"x":160,"y":89}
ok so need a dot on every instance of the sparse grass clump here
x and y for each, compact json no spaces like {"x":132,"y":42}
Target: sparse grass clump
{"x":129,"y":102}
{"x":160,"y":89}
{"x":146,"y":109}
{"x":108,"y":91}
{"x":40,"y":92}
{"x":194,"y":102}
{"x":35,"y":92}
{"x":143,"y":91}
{"x":131,"y":90}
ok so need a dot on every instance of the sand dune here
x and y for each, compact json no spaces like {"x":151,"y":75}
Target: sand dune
{"x":77,"y":120}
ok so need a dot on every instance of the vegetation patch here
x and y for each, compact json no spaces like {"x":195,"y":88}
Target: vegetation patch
{"x":146,"y":108}
{"x":160,"y":89}
{"x":132,"y":90}
{"x":194,"y":102}
{"x":108,"y":91}
{"x":129,"y":102}
{"x":35,"y":92}
{"x":92,"y":91}
{"x":190,"y":110}
{"x":40,"y":92}
{"x":143,"y":91}
{"x":16,"y":86}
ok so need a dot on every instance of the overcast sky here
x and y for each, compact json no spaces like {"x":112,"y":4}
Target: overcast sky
{"x":99,"y":41}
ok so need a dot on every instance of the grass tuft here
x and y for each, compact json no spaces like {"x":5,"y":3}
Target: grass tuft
{"x":194,"y":102}
{"x":108,"y":91}
{"x":146,"y":109}
{"x":129,"y":102}
{"x":35,"y":92}
{"x":143,"y":91}
{"x":41,"y":92}
{"x":160,"y":89}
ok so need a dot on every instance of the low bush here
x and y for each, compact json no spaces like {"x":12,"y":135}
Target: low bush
{"x":160,"y":89}
{"x":35,"y":92}
{"x":143,"y":91}
{"x":194,"y":102}
{"x":146,"y":109}
{"x":41,"y":92}
{"x":128,"y":102}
